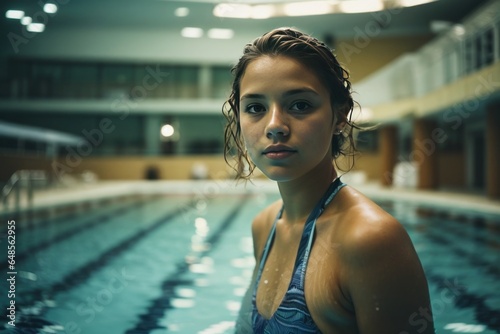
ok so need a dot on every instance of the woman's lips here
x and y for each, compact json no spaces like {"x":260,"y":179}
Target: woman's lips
{"x":276,"y":155}
{"x":277,"y":152}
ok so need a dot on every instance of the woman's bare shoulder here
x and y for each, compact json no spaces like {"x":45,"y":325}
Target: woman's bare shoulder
{"x":262,"y":223}
{"x":369,"y":228}
{"x":377,"y":246}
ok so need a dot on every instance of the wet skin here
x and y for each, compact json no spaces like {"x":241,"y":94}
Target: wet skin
{"x":363,"y":274}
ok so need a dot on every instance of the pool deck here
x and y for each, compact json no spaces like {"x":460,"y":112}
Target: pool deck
{"x":88,"y":192}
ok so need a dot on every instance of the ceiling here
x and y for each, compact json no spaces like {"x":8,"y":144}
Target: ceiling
{"x":159,"y":14}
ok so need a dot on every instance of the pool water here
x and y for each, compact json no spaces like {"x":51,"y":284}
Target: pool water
{"x":181,"y":264}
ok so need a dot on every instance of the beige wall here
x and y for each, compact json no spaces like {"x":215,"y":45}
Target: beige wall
{"x":451,"y":169}
{"x":10,"y":164}
{"x":367,"y":162}
{"x":121,"y":168}
{"x":176,"y":167}
{"x":134,"y":168}
{"x":362,"y":58}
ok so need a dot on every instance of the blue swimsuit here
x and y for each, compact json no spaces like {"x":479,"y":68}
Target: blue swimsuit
{"x":292,"y":316}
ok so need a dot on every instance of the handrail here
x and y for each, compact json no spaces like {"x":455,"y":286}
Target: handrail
{"x":15,"y":182}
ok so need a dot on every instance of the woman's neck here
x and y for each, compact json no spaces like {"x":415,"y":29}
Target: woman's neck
{"x":300,"y":196}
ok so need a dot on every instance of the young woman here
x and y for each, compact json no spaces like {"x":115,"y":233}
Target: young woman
{"x":328,"y":259}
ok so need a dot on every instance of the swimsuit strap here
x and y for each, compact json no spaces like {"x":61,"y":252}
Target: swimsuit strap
{"x":269,"y":244}
{"x":292,"y":315}
{"x":307,"y":235}
{"x":307,"y":238}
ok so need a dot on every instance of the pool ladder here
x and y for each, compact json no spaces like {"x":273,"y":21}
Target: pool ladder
{"x":19,"y":180}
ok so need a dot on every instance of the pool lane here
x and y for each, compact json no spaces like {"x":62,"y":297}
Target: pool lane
{"x":92,"y":251}
{"x":209,"y":304}
{"x":149,"y":320}
{"x":119,"y":295}
{"x":460,"y":255}
{"x":44,"y":234}
{"x":136,"y":273}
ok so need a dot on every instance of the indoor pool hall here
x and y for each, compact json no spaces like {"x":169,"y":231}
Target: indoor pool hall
{"x":249,"y":166}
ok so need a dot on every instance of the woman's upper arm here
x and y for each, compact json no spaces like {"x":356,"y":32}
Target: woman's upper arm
{"x":386,"y":281}
{"x":244,"y":320}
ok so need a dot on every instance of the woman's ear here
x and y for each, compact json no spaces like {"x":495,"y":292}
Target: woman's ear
{"x":339,"y":127}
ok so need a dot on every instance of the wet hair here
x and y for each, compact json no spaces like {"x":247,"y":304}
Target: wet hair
{"x":312,"y":53}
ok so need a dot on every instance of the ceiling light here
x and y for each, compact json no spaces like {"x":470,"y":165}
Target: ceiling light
{"x":36,"y":27}
{"x":459,"y":29}
{"x":50,"y":8}
{"x":361,"y":6}
{"x":308,"y":8}
{"x":262,"y":11}
{"x":440,"y":26}
{"x":167,"y":130}
{"x":191,"y":32}
{"x":26,"y":20}
{"x":411,"y":3}
{"x":14,"y":14}
{"x":181,"y":11}
{"x":239,"y":11}
{"x":220,"y":33}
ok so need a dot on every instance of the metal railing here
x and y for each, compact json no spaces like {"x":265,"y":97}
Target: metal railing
{"x":21,"y":179}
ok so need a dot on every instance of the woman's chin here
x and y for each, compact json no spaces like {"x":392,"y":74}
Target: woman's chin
{"x":278,"y":176}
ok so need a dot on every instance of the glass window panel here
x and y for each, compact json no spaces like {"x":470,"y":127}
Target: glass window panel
{"x":186,"y":82}
{"x":222,"y":79}
{"x":489,"y":48}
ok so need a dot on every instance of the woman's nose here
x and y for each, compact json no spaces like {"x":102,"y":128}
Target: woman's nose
{"x":277,"y":125}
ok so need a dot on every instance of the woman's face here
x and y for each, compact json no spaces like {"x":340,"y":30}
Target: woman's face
{"x":286,"y":118}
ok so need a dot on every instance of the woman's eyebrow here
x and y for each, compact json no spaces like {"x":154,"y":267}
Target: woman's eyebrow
{"x":252,"y":96}
{"x":299,"y":91}
{"x":285,"y":94}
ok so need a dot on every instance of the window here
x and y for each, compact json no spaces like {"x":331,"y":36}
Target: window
{"x":367,"y":141}
{"x":468,"y":56}
{"x":489,"y":47}
{"x":221,"y":77}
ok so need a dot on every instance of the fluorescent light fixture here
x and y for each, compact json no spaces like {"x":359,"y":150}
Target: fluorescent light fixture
{"x":36,"y":27}
{"x":308,"y":8}
{"x":220,"y":33}
{"x":26,"y":20}
{"x":232,"y":10}
{"x":14,"y":14}
{"x":192,"y":32}
{"x":360,"y":6}
{"x":411,"y":3}
{"x":181,"y":11}
{"x":50,"y":8}
{"x":262,"y":11}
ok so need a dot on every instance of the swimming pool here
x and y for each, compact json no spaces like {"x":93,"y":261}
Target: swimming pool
{"x":155,"y":263}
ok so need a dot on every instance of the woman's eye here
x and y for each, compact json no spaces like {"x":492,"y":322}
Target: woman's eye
{"x":300,"y":106}
{"x":254,"y":108}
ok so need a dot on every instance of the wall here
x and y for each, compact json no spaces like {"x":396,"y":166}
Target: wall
{"x":154,"y":45}
{"x":363,"y":58}
{"x":451,"y":170}
{"x":121,"y":168}
{"x":171,"y":167}
{"x":134,"y":45}
{"x":367,"y":162}
{"x":11,"y":163}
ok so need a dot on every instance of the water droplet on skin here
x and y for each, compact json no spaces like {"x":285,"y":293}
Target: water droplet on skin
{"x":265,"y":282}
